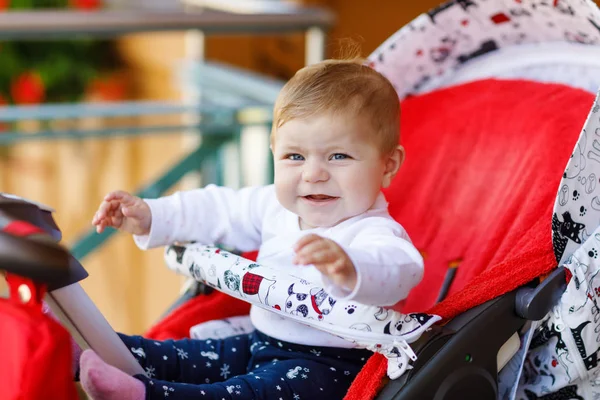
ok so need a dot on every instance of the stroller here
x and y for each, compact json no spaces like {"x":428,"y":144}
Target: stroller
{"x":478,"y":194}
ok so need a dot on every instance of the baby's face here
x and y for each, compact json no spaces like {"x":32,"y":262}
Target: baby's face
{"x":328,"y":168}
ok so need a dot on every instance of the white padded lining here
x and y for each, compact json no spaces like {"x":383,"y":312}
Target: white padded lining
{"x":571,"y":64}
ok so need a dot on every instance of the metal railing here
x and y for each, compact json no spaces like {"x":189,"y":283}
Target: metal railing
{"x":232,"y":99}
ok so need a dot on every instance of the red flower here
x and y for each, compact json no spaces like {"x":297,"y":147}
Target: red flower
{"x":4,"y":4}
{"x":28,"y":88}
{"x":85,"y":4}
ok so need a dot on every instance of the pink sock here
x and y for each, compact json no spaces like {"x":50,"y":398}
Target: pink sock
{"x":105,"y":382}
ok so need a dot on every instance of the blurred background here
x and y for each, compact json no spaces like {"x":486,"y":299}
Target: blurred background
{"x":146,"y":74}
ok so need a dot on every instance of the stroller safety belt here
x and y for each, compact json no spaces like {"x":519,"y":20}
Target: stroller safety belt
{"x":375,"y":328}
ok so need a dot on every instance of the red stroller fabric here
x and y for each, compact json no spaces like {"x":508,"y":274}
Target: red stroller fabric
{"x":484,"y":161}
{"x":36,"y":350}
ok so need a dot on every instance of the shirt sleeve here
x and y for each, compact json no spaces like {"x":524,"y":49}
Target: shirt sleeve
{"x":210,"y":215}
{"x":387,"y":265}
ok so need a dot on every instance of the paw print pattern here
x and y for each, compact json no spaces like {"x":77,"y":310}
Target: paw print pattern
{"x":350,"y":309}
{"x":582,"y":211}
{"x":593,"y":253}
{"x":575,"y":195}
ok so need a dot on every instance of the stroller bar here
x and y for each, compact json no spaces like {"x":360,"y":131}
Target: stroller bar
{"x":71,"y":304}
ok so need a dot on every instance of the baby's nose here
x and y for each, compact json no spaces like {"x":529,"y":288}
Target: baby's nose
{"x":314,"y":172}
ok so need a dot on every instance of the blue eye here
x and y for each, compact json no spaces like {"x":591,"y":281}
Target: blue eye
{"x":339,"y":156}
{"x":294,"y":157}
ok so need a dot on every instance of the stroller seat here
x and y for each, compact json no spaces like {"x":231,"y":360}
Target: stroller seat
{"x":476,"y":194}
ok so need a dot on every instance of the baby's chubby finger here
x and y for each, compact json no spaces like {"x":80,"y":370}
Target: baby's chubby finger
{"x":124,"y":197}
{"x":95,"y":219}
{"x":105,"y":208}
{"x":102,"y":211}
{"x":133,"y":211}
{"x":100,"y":226}
{"x":305,"y":240}
{"x":309,"y":254}
{"x":318,"y":257}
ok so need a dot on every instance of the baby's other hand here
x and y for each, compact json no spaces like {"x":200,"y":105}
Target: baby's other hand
{"x":328,"y":257}
{"x":123,"y":211}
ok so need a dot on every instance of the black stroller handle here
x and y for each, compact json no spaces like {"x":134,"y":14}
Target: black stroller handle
{"x":16,"y":208}
{"x":40,"y":259}
{"x":35,"y":214}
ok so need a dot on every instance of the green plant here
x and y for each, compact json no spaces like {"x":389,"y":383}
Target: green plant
{"x":33,"y":72}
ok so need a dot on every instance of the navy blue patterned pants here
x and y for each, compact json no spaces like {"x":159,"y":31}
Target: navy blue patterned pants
{"x":249,"y":366}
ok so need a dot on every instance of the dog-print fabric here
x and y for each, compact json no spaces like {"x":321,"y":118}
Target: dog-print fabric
{"x":434,"y":46}
{"x":375,"y":328}
{"x":243,"y":367}
{"x":577,"y":207}
{"x":562,"y":359}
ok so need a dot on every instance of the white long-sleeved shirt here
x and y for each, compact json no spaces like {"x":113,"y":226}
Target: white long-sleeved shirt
{"x":388,"y":266}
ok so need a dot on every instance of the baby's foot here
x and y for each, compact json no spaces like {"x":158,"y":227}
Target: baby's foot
{"x":105,"y":382}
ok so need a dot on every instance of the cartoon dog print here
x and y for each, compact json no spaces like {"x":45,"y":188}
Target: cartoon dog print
{"x":360,"y":326}
{"x":249,"y":285}
{"x":315,"y":304}
{"x":563,"y":231}
{"x":381,"y":314}
{"x":590,"y":360}
{"x":197,"y":272}
{"x":577,"y":162}
{"x":410,"y":323}
{"x":178,"y":251}
{"x":566,"y":393}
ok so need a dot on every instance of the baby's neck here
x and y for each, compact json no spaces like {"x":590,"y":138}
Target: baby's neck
{"x":304,"y":226}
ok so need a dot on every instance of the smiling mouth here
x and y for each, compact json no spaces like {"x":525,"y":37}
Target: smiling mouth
{"x":319,"y":197}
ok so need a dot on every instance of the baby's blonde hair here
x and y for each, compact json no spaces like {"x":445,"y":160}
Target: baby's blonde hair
{"x":347,"y":86}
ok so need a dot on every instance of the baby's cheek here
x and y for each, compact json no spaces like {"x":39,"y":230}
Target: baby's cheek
{"x":283,"y":192}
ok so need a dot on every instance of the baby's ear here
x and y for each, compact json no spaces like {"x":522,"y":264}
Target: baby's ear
{"x":393,"y":162}
{"x":272,"y":142}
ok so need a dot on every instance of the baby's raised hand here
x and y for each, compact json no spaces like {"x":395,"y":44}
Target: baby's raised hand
{"x":328,"y":257}
{"x":123,"y":211}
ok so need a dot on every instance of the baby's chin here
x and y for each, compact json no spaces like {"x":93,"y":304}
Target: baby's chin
{"x":311,"y":222}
